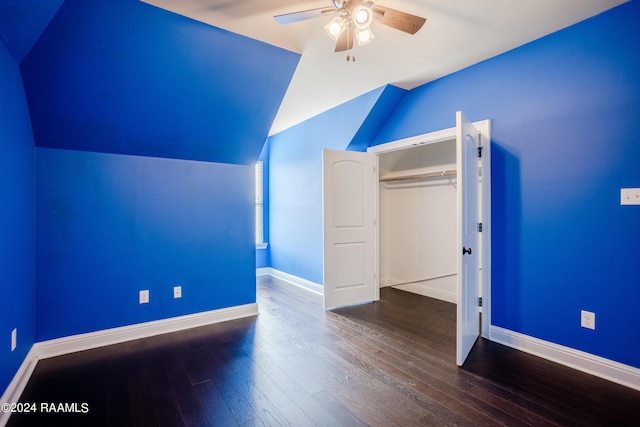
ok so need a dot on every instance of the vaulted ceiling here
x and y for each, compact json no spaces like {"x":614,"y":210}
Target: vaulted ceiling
{"x":211,"y":79}
{"x":457,"y":34}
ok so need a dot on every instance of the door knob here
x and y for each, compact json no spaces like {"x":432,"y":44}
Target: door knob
{"x":466,"y":251}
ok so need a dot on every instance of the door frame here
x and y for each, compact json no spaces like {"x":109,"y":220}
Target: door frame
{"x":484,"y":130}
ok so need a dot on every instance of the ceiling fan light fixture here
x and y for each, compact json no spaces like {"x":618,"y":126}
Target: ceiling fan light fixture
{"x":364,"y":36}
{"x":335,"y":27}
{"x":362,"y":16}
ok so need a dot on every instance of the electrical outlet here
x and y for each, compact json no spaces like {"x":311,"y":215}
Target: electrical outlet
{"x":144,"y":297}
{"x":587,"y":319}
{"x":177,"y":292}
{"x":14,"y":339}
{"x":630,"y":196}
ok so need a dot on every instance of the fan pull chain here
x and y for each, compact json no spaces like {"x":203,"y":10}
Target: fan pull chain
{"x":350,"y":56}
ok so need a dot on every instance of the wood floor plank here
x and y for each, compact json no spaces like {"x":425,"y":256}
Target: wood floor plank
{"x":214,"y":406}
{"x":252,"y":401}
{"x":141,"y":403}
{"x":435,"y":396}
{"x":382,"y":364}
{"x":285,"y":380}
{"x":167,"y":410}
{"x":234,"y":397}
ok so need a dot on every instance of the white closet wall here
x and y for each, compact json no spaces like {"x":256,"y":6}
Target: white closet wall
{"x":418,"y":221}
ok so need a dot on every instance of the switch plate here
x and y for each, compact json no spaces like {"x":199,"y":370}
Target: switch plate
{"x":144,"y":297}
{"x":177,"y":292}
{"x":630,"y":196}
{"x":587,"y":319}
{"x":14,"y":339}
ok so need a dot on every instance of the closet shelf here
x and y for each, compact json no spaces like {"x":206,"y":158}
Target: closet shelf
{"x":450,"y":172}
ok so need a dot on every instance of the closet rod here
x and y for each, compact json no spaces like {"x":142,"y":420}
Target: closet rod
{"x":450,"y":172}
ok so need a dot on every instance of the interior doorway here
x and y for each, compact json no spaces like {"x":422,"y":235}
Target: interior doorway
{"x":348,"y":259}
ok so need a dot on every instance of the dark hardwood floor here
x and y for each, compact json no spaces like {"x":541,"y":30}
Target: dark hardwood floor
{"x":383,"y":364}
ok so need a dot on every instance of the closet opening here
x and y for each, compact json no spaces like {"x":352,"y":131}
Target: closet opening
{"x":413,"y":214}
{"x":418,"y":220}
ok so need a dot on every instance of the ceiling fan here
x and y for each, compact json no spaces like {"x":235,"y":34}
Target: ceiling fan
{"x":352,"y":21}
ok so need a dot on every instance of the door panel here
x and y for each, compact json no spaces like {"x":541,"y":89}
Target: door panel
{"x":349,"y":210}
{"x":468,"y":318}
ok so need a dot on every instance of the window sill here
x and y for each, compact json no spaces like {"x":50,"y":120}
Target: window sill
{"x":261,"y":245}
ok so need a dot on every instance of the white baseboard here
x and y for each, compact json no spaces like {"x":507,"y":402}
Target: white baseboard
{"x":595,"y":365}
{"x":74,"y":343}
{"x":428,"y":292}
{"x":16,"y":386}
{"x":442,"y":288}
{"x":263,"y":271}
{"x":105,"y":337}
{"x":294,"y":280}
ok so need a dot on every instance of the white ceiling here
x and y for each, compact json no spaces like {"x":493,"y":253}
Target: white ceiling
{"x":458,"y":33}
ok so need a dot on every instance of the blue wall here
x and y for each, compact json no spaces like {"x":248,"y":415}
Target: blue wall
{"x":110,"y":225}
{"x":126,"y":77}
{"x":387,"y":102}
{"x":566,"y":137}
{"x":295,"y":189}
{"x":105,"y":82}
{"x":22,"y":22}
{"x":17,"y":207}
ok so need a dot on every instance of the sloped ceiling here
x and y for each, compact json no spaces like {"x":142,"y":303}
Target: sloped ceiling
{"x":121,"y":76}
{"x":126,"y":77}
{"x":22,"y":22}
{"x":457,"y":34}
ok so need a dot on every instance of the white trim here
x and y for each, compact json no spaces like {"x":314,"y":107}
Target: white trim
{"x":427,"y":138}
{"x":432,"y":287}
{"x":71,"y":344}
{"x":595,"y":365}
{"x":16,"y":386}
{"x":425,"y":291}
{"x":290,"y":278}
{"x":56,"y":347}
{"x":263,"y":271}
{"x":484,"y":129}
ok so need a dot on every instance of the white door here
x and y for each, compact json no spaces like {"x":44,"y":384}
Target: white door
{"x":468,"y":318}
{"x":350,"y":205}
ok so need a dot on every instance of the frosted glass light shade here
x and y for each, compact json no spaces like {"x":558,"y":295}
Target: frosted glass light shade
{"x":335,"y":27}
{"x":364,"y":36}
{"x":362,"y":16}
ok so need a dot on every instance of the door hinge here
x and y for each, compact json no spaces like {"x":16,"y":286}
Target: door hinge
{"x":479,"y":301}
{"x":479,"y":227}
{"x":479,"y":151}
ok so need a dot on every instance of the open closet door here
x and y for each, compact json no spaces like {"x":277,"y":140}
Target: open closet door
{"x":468,"y":318}
{"x":350,"y":203}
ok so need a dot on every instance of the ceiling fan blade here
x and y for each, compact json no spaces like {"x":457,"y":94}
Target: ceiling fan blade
{"x":303,"y":15}
{"x":345,"y":41}
{"x":399,"y":20}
